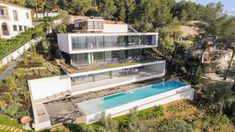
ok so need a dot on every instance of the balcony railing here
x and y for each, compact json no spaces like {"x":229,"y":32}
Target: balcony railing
{"x":95,"y":42}
{"x":112,"y":62}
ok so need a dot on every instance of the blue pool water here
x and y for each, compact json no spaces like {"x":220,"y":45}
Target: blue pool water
{"x":114,"y":100}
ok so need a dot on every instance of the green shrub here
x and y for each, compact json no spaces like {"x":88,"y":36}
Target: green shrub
{"x":174,"y":125}
{"x":10,"y":45}
{"x":155,"y":111}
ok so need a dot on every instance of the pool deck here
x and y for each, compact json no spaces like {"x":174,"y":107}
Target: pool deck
{"x":67,"y":110}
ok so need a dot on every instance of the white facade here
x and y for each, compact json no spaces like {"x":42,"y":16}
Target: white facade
{"x":66,"y":45}
{"x":115,"y":28}
{"x":13,"y":20}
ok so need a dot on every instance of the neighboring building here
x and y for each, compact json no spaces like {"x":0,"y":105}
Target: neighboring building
{"x":46,"y":14}
{"x":105,"y":56}
{"x":14,"y":19}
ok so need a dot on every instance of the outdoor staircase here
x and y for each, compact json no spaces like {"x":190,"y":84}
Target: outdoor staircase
{"x":132,"y":28}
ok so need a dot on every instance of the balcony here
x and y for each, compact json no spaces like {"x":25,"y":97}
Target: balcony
{"x":100,"y":79}
{"x":83,"y":44}
{"x":101,"y":60}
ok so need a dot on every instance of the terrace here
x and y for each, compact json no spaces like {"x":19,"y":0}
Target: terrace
{"x":67,"y":110}
{"x":101,"y":42}
{"x":115,"y":76}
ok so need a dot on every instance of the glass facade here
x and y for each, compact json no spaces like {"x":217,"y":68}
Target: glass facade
{"x":80,"y":58}
{"x":88,"y":42}
{"x":104,"y":76}
{"x":108,"y":56}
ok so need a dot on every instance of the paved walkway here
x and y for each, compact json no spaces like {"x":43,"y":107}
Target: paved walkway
{"x":10,"y":129}
{"x":8,"y":71}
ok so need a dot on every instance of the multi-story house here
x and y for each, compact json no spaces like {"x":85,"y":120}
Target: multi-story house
{"x":104,"y":55}
{"x":14,"y":19}
{"x":111,"y":52}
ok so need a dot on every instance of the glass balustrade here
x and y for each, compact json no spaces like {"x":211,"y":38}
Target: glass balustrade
{"x":92,"y":42}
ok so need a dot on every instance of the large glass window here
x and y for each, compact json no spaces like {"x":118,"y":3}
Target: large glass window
{"x":147,"y":40}
{"x":121,"y":41}
{"x":108,"y":56}
{"x":108,"y":41}
{"x":99,"y":41}
{"x":114,"y":40}
{"x":80,"y":58}
{"x":91,"y":42}
{"x":79,"y":42}
{"x":74,"y":43}
{"x":98,"y":57}
{"x":90,"y":25}
{"x":119,"y":55}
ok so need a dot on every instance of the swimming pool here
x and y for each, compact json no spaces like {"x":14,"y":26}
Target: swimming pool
{"x":115,"y":100}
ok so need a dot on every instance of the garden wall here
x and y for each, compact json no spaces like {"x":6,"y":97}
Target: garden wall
{"x":185,"y":92}
{"x":17,"y":53}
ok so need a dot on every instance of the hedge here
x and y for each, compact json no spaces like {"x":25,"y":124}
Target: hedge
{"x":10,"y":45}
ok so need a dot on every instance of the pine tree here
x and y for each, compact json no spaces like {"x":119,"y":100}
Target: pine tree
{"x":107,"y":8}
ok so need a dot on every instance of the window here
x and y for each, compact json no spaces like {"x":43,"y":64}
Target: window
{"x":108,"y":41}
{"x":98,"y":57}
{"x":2,"y":12}
{"x":90,"y":25}
{"x":15,"y":28}
{"x":27,"y":15}
{"x":15,"y":15}
{"x":25,"y":28}
{"x":98,"y":25}
{"x":79,"y":42}
{"x":20,"y":28}
{"x":91,"y":42}
{"x":99,"y":41}
{"x":80,"y":58}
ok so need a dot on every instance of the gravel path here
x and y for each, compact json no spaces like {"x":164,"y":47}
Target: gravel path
{"x":8,"y":71}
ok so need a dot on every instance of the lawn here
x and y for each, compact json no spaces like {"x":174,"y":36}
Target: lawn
{"x":6,"y":120}
{"x":71,"y":69}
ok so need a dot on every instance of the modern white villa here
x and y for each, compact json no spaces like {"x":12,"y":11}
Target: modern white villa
{"x":14,"y":19}
{"x":109,"y":60}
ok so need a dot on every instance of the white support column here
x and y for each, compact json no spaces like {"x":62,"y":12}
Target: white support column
{"x":90,"y":58}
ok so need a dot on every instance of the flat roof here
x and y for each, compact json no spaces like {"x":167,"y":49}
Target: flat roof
{"x":105,"y":33}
